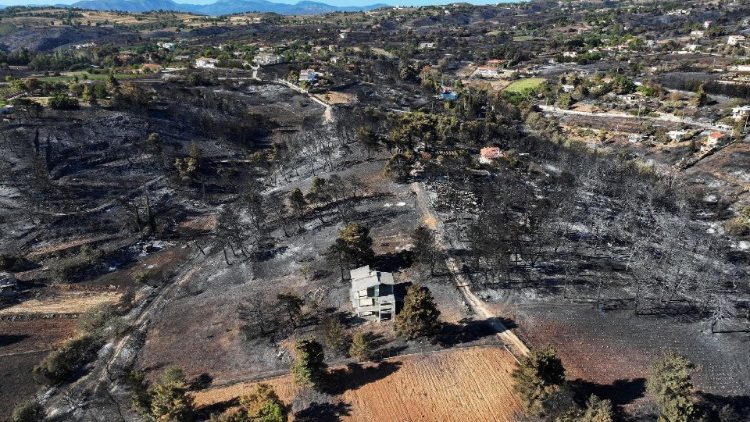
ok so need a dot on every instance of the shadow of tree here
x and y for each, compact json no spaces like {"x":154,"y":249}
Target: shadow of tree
{"x":204,"y":413}
{"x":465,"y":331}
{"x":356,"y":375}
{"x":724,"y":408}
{"x":394,"y":261}
{"x":8,"y":339}
{"x":202,"y":381}
{"x":324,"y":412}
{"x":620,"y":392}
{"x":469,"y":330}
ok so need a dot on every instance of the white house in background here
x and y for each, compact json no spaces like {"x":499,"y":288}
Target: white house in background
{"x":697,"y":34}
{"x":266,"y":59}
{"x":570,"y":54}
{"x":735,"y":40}
{"x":308,"y":75}
{"x":206,"y":63}
{"x":426,"y":45}
{"x":372,"y":293}
{"x":741,"y":113}
{"x":166,"y":45}
{"x":487,"y":72}
{"x":677,"y":135}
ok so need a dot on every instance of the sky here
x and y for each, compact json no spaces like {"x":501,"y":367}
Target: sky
{"x":331,"y":2}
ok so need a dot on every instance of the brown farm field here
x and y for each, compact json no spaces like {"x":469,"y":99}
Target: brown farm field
{"x":470,"y":384}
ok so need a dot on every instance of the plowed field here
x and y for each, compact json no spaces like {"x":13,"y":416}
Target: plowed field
{"x":472,"y":384}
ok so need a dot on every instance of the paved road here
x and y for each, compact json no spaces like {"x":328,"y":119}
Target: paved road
{"x":505,"y":335}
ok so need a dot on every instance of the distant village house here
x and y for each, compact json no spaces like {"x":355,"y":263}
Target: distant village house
{"x":267,"y":59}
{"x":308,"y":75}
{"x":735,"y":40}
{"x":488,"y":155}
{"x":206,"y":63}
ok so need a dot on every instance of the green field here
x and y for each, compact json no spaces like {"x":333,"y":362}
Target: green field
{"x":523,"y":85}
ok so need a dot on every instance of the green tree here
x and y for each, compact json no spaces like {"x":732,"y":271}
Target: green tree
{"x":169,"y":399}
{"x":564,"y":101}
{"x":597,"y":410}
{"x":419,"y":316}
{"x":539,"y":375}
{"x":309,"y":367}
{"x":28,"y":411}
{"x":88,"y":95}
{"x":671,"y":386}
{"x":368,"y":139}
{"x":333,"y":333}
{"x":262,"y":404}
{"x":353,"y":247}
{"x":701,"y":98}
{"x":360,"y":348}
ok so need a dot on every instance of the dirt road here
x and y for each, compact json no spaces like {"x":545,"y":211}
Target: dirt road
{"x":506,"y":336}
{"x":63,"y":403}
{"x":619,"y":115}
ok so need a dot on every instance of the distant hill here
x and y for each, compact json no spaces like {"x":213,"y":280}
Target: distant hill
{"x":220,"y":7}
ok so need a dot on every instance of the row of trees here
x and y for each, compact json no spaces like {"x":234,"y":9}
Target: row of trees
{"x":540,"y":382}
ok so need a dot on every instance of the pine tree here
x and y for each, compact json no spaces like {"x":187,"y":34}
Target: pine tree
{"x":538,"y":376}
{"x":169,"y":399}
{"x":701,"y":98}
{"x":333,"y":334}
{"x":597,"y":410}
{"x":353,"y":246}
{"x":309,"y":367}
{"x":420,"y":316}
{"x":671,"y":385}
{"x":360,"y":348}
{"x":262,"y":404}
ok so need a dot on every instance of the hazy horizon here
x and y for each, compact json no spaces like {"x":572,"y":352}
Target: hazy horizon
{"x":339,"y":3}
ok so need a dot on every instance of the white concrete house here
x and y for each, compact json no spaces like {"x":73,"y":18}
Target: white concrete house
{"x":735,"y":40}
{"x":741,"y":113}
{"x":487,"y":72}
{"x":266,"y":59}
{"x":206,"y":63}
{"x":372,"y":293}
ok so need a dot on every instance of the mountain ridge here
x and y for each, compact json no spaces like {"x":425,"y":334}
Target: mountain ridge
{"x":220,"y":7}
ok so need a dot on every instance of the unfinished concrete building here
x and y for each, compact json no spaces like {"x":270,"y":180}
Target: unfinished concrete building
{"x":372,"y":293}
